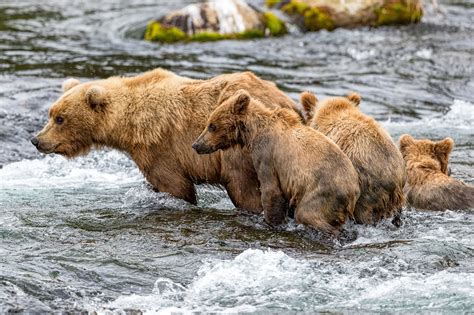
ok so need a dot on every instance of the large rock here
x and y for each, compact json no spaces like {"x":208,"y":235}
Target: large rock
{"x":214,"y":20}
{"x":314,"y":15}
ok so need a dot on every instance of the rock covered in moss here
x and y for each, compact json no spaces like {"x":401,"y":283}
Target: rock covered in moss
{"x":214,"y":20}
{"x":314,"y":15}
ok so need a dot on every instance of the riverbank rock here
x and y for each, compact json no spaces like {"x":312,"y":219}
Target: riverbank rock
{"x":314,"y":15}
{"x":214,"y":20}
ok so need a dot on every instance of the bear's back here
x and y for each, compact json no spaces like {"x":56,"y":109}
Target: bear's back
{"x":376,"y":158}
{"x":442,"y":195}
{"x":306,"y":159}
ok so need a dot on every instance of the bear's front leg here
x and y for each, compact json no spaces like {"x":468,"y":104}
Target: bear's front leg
{"x":275,"y":206}
{"x":244,"y":192}
{"x":241,"y":181}
{"x":176,"y":185}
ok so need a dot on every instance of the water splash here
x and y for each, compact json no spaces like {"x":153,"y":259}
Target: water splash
{"x":263,"y":280}
{"x":110,"y":169}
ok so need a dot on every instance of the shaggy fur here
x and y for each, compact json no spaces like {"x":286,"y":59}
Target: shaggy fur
{"x":155,"y":117}
{"x":429,"y":186}
{"x":298,"y":167}
{"x":376,"y":158}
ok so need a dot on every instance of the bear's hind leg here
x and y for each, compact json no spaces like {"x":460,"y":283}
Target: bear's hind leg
{"x":322,"y":216}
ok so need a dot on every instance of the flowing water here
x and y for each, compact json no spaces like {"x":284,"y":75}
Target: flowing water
{"x":90,"y":234}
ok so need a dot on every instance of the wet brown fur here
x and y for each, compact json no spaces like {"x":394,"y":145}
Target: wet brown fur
{"x":376,"y":158}
{"x":298,"y":167}
{"x":429,"y":186}
{"x":155,"y":117}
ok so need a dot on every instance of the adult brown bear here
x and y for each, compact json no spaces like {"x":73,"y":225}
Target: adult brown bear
{"x":155,"y":117}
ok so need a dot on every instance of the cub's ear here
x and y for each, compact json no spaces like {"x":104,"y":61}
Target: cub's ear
{"x":96,"y":97}
{"x":405,"y":141}
{"x":242,"y":101}
{"x":69,"y":84}
{"x":442,"y":150}
{"x":354,"y":98}
{"x":309,"y":101}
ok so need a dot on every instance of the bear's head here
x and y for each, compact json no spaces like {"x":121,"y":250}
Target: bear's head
{"x":310,"y":103}
{"x":74,"y":120}
{"x":426,"y":153}
{"x":224,"y":126}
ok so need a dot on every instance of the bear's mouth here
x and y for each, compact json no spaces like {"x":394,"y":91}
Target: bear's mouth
{"x":50,"y":149}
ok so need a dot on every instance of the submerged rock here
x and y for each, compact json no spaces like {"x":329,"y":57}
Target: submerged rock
{"x":314,"y":15}
{"x":214,"y":20}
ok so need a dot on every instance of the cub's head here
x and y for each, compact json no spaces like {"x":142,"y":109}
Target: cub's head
{"x":310,"y":103}
{"x":224,"y":126}
{"x":427,"y":153}
{"x":75,"y":119}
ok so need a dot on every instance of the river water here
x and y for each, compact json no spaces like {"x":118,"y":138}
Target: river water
{"x":89,"y":234}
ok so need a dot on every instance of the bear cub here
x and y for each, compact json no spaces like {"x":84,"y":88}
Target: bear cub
{"x":429,"y":186}
{"x":370,"y":148}
{"x":298,"y":167}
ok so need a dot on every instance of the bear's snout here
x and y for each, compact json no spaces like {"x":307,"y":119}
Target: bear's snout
{"x":35,"y":141}
{"x":201,"y":148}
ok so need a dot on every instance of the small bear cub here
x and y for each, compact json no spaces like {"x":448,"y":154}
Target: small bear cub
{"x":429,"y":186}
{"x":370,"y":148}
{"x":298,"y":167}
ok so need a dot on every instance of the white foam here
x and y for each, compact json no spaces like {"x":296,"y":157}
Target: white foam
{"x":253,"y":279}
{"x":362,"y":54}
{"x":424,"y":53}
{"x":258,"y":280}
{"x":110,"y":169}
{"x":459,"y":117}
{"x":142,"y":196}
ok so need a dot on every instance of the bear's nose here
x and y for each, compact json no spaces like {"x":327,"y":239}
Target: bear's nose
{"x":195,"y":146}
{"x":35,"y":141}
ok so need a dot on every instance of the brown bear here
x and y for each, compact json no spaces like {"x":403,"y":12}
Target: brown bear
{"x":298,"y":167}
{"x":429,"y":186}
{"x":376,"y":158}
{"x":155,"y":117}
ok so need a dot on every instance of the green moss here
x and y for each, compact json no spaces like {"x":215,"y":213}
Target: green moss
{"x":272,"y":3}
{"x":314,"y":18}
{"x":156,"y":32}
{"x":207,"y":37}
{"x":250,"y":34}
{"x":398,"y":13}
{"x":276,"y":26}
{"x":295,"y":7}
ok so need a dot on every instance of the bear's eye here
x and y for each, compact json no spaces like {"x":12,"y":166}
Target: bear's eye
{"x":211,"y":128}
{"x":59,"y":120}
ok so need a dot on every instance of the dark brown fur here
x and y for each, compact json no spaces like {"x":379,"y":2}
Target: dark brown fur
{"x":155,"y":117}
{"x":429,"y":186}
{"x":376,"y":158}
{"x":297,"y":166}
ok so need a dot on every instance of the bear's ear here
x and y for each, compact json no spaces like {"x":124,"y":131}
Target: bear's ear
{"x":242,"y":101}
{"x":69,"y":84}
{"x":96,"y":97}
{"x":309,"y":101}
{"x":442,"y":150}
{"x":405,"y":141}
{"x":354,"y":98}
